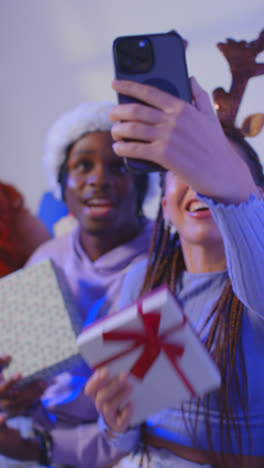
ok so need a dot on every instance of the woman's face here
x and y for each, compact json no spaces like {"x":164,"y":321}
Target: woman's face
{"x":191,"y":217}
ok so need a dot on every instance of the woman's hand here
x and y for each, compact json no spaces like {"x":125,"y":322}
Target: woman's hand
{"x":110,"y":398}
{"x":186,"y":139}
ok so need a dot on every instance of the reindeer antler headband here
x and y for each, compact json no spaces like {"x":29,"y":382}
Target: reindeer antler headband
{"x":241,"y":57}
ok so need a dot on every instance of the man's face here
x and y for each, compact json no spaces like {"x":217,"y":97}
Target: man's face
{"x":99,"y":192}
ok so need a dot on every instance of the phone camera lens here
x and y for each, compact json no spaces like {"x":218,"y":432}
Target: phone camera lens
{"x":142,"y":52}
{"x":134,"y":55}
{"x":141,"y":44}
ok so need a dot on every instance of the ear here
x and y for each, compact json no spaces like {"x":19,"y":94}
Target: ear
{"x":252,"y":125}
{"x":261,"y":190}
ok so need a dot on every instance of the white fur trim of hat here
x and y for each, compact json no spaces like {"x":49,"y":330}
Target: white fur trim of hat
{"x":72,"y":125}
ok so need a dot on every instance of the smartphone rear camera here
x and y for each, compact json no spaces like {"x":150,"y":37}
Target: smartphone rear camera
{"x":134,"y":55}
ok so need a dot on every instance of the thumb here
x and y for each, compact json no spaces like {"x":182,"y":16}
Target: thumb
{"x":4,"y":360}
{"x":2,"y":419}
{"x":201,"y":98}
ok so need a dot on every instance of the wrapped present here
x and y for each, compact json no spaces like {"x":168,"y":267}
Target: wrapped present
{"x":39,"y":322}
{"x":153,"y":341}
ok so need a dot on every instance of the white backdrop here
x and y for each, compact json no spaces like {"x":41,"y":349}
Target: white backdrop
{"x":56,"y":53}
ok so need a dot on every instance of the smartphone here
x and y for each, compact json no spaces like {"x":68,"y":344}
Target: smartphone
{"x":154,"y":59}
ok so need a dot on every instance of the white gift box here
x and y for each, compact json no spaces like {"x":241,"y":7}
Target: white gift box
{"x":38,"y":322}
{"x":153,"y":341}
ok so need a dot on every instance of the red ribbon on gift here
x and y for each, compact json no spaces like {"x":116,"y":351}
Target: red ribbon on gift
{"x":153,"y":344}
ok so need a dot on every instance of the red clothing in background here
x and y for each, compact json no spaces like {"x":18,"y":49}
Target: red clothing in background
{"x":20,"y":231}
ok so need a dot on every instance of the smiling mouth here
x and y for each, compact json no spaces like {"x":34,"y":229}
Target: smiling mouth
{"x":98,"y":207}
{"x":197,"y":205}
{"x":198,"y":209}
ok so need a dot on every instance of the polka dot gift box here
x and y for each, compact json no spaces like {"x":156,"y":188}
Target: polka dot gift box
{"x":38,"y":322}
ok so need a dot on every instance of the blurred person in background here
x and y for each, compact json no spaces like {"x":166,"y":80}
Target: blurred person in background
{"x":111,"y":234}
{"x":20,"y":231}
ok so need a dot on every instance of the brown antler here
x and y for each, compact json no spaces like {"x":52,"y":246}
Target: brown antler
{"x":241,"y":57}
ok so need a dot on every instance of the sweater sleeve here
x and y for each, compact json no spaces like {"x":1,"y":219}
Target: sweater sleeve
{"x":83,"y":445}
{"x":72,"y":425}
{"x":242,"y":229}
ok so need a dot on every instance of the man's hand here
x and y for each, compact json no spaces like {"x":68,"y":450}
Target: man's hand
{"x":13,"y":445}
{"x":16,"y":400}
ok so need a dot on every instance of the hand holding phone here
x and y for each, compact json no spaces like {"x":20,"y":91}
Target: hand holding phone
{"x":157,"y":60}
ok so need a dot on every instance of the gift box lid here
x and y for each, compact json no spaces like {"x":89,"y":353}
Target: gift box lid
{"x":152,"y":340}
{"x":39,"y":322}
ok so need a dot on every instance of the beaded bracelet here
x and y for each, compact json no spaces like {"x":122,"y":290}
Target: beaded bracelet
{"x":45,"y":447}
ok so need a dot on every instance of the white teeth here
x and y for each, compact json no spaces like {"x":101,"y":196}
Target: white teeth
{"x":196,"y":206}
{"x":98,"y":209}
{"x":98,"y":202}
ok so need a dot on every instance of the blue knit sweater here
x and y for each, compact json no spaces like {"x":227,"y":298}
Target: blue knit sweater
{"x":242,"y":229}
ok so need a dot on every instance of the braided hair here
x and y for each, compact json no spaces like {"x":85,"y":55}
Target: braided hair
{"x":165,"y":265}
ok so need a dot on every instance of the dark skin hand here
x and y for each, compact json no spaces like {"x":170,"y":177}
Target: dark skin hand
{"x":16,"y":400}
{"x":13,"y":445}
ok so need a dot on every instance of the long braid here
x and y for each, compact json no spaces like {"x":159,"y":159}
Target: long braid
{"x":229,"y":356}
{"x":152,"y":257}
{"x":223,"y":340}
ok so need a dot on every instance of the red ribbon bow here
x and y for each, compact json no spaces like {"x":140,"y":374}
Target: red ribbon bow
{"x":153,"y":344}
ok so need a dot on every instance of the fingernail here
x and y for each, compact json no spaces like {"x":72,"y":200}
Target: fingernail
{"x":5,"y":357}
{"x":123,"y":376}
{"x":103,"y":373}
{"x":16,"y":376}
